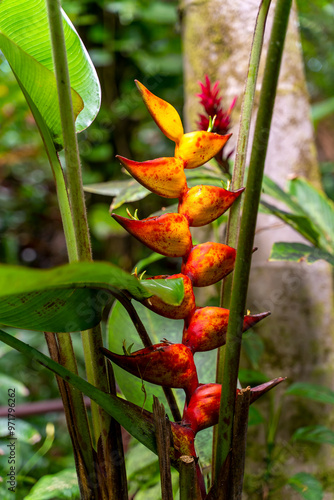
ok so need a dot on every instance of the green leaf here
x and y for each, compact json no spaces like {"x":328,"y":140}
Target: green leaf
{"x":315,"y":434}
{"x":138,"y":424}
{"x":321,"y":110}
{"x":126,"y":191}
{"x":307,"y":486}
{"x":255,"y":417}
{"x":311,"y":391}
{"x":272,"y":189}
{"x":9,"y":383}
{"x":298,"y":252}
{"x":301,"y":223}
{"x":62,"y":485}
{"x":317,"y":206}
{"x":71,"y":297}
{"x":22,"y":22}
{"x":24,"y":431}
{"x":252,"y":377}
{"x":121,"y":328}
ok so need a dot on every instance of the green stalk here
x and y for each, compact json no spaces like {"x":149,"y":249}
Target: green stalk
{"x":92,"y":339}
{"x":247,"y":230}
{"x":239,"y":168}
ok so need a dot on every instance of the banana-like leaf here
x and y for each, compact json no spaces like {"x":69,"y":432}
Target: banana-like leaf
{"x":71,"y":298}
{"x":25,"y":42}
{"x":139,"y":424}
{"x":298,"y":252}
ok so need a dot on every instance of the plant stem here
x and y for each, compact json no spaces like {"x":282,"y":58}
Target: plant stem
{"x":92,"y":339}
{"x":247,"y":230}
{"x":239,"y":169}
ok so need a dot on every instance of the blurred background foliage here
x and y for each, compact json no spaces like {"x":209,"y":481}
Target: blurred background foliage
{"x":127,"y":40}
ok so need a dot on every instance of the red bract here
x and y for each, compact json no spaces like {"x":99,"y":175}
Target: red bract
{"x":168,"y":365}
{"x":173,"y":312}
{"x":167,"y":234}
{"x":204,"y":204}
{"x":208,"y":326}
{"x":162,"y":176}
{"x":202,"y":411}
{"x":208,"y":263}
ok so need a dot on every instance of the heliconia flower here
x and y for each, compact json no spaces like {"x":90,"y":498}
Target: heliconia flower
{"x":202,"y":411}
{"x":165,"y":364}
{"x":196,"y":148}
{"x":204,"y":204}
{"x":182,"y":311}
{"x":211,"y":102}
{"x":208,"y":263}
{"x":207,"y":328}
{"x":162,"y":176}
{"x":167,"y":234}
{"x":163,"y":113}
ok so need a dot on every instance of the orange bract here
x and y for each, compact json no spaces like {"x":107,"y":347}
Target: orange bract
{"x":208,"y":263}
{"x":162,"y":176}
{"x":204,"y":204}
{"x":167,"y":234}
{"x":207,"y":328}
{"x":196,"y":148}
{"x":163,"y":113}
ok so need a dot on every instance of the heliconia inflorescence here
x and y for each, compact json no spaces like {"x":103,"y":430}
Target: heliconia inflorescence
{"x":166,"y":364}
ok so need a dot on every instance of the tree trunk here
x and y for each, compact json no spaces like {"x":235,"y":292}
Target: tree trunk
{"x":298,"y":336}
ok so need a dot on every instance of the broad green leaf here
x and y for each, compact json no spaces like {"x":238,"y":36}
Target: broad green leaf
{"x":23,"y":431}
{"x":255,"y":417}
{"x":272,"y":189}
{"x":311,"y":391}
{"x":126,"y":191}
{"x":138,"y":424}
{"x":25,"y":42}
{"x":315,"y":434}
{"x":318,"y":208}
{"x":62,"y":485}
{"x":301,"y":223}
{"x":298,"y":252}
{"x":121,"y":328}
{"x":307,"y":486}
{"x":253,"y":346}
{"x":251,"y":377}
{"x":71,"y":297}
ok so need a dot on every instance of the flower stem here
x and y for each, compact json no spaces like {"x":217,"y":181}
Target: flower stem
{"x":247,"y":230}
{"x":239,"y":168}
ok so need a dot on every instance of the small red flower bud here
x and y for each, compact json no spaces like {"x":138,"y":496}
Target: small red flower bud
{"x":183,"y":440}
{"x":204,"y":204}
{"x":196,"y":148}
{"x":208,"y":263}
{"x":162,"y":176}
{"x":168,"y":365}
{"x":163,"y":113}
{"x":173,"y":312}
{"x":208,"y":326}
{"x":167,"y":234}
